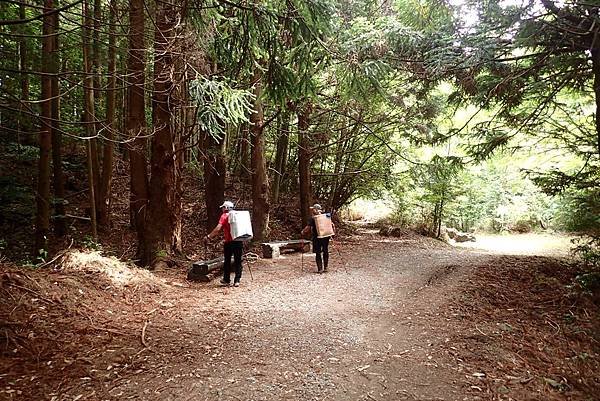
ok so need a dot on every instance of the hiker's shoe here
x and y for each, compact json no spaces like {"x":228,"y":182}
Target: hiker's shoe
{"x":236,"y":284}
{"x":224,"y":283}
{"x":325,"y":270}
{"x":319,"y":271}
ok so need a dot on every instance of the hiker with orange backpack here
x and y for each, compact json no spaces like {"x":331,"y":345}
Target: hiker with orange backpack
{"x":321,"y":229}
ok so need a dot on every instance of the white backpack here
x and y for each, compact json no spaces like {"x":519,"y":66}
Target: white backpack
{"x":240,"y":225}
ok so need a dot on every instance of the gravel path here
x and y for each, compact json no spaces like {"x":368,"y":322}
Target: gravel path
{"x":370,"y":329}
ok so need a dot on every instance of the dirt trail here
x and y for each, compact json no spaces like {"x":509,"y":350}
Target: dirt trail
{"x":378,"y":326}
{"x":369,"y":329}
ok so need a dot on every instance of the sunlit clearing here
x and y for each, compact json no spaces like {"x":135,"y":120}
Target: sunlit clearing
{"x":368,"y":210}
{"x":522,"y":244}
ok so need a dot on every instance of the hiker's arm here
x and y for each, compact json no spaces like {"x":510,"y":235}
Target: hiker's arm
{"x":305,"y":231}
{"x":214,"y":232}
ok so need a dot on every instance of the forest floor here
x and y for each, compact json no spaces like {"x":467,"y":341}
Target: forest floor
{"x":406,"y":318}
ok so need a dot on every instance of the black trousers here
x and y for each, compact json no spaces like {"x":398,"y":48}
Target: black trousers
{"x":321,"y":246}
{"x":232,"y":248}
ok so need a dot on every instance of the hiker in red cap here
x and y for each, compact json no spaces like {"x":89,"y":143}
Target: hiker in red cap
{"x":230,"y":247}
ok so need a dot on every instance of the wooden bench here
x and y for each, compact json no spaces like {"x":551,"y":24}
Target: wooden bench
{"x":205,"y":270}
{"x":273,"y":249}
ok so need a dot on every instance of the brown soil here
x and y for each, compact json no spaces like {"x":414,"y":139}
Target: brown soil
{"x":404,"y":318}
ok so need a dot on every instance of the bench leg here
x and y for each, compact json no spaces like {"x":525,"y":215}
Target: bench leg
{"x":270,"y":252}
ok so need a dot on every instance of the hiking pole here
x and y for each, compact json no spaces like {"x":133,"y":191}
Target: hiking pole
{"x":245,"y":256}
{"x":340,"y":255}
{"x":302,"y":258}
{"x":250,"y":270}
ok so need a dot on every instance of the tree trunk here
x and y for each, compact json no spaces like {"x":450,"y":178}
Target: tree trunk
{"x":191,"y":128}
{"x":260,"y":180}
{"x":304,"y":161}
{"x":245,"y":164}
{"x":23,"y":124}
{"x":105,"y":195}
{"x":135,"y":125}
{"x":337,"y":168}
{"x":281,"y":155}
{"x":438,"y":217}
{"x":88,"y":114}
{"x":596,"y":71}
{"x":94,"y":26}
{"x":45,"y":137}
{"x":215,"y":169}
{"x":60,"y":224}
{"x":96,"y":56}
{"x":165,"y":207}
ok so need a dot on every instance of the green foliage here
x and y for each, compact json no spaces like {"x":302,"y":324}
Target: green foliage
{"x":501,"y":198}
{"x":91,"y":243}
{"x":587,"y":249}
{"x":531,"y":79}
{"x":435,"y":180}
{"x":12,"y":192}
{"x":353,"y":158}
{"x":16,"y":201}
{"x":368,"y":50}
{"x":22,"y":153}
{"x":219,"y":105}
{"x":374,"y":72}
{"x":589,"y":281}
{"x":494,"y":196}
{"x":42,"y":256}
{"x":280,"y":40}
{"x":578,"y":210}
{"x":195,"y":167}
{"x":428,"y":16}
{"x":405,"y":202}
{"x":468,"y":208}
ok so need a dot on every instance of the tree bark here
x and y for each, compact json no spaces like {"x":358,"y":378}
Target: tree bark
{"x":337,"y":168}
{"x":96,"y":56}
{"x":60,"y":224}
{"x":135,"y":124}
{"x":165,"y":205}
{"x":304,"y":161}
{"x":245,"y":164}
{"x":88,"y":114}
{"x":105,"y":196}
{"x":215,"y":169}
{"x":281,"y":155}
{"x":45,"y":137}
{"x":260,"y":180}
{"x":438,"y":217}
{"x":93,"y":24}
{"x":596,"y":72}
{"x":23,"y":125}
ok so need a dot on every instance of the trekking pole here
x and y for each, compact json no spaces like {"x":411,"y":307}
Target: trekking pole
{"x":340,"y":255}
{"x":250,"y":270}
{"x":245,"y":256}
{"x":302,"y":258}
